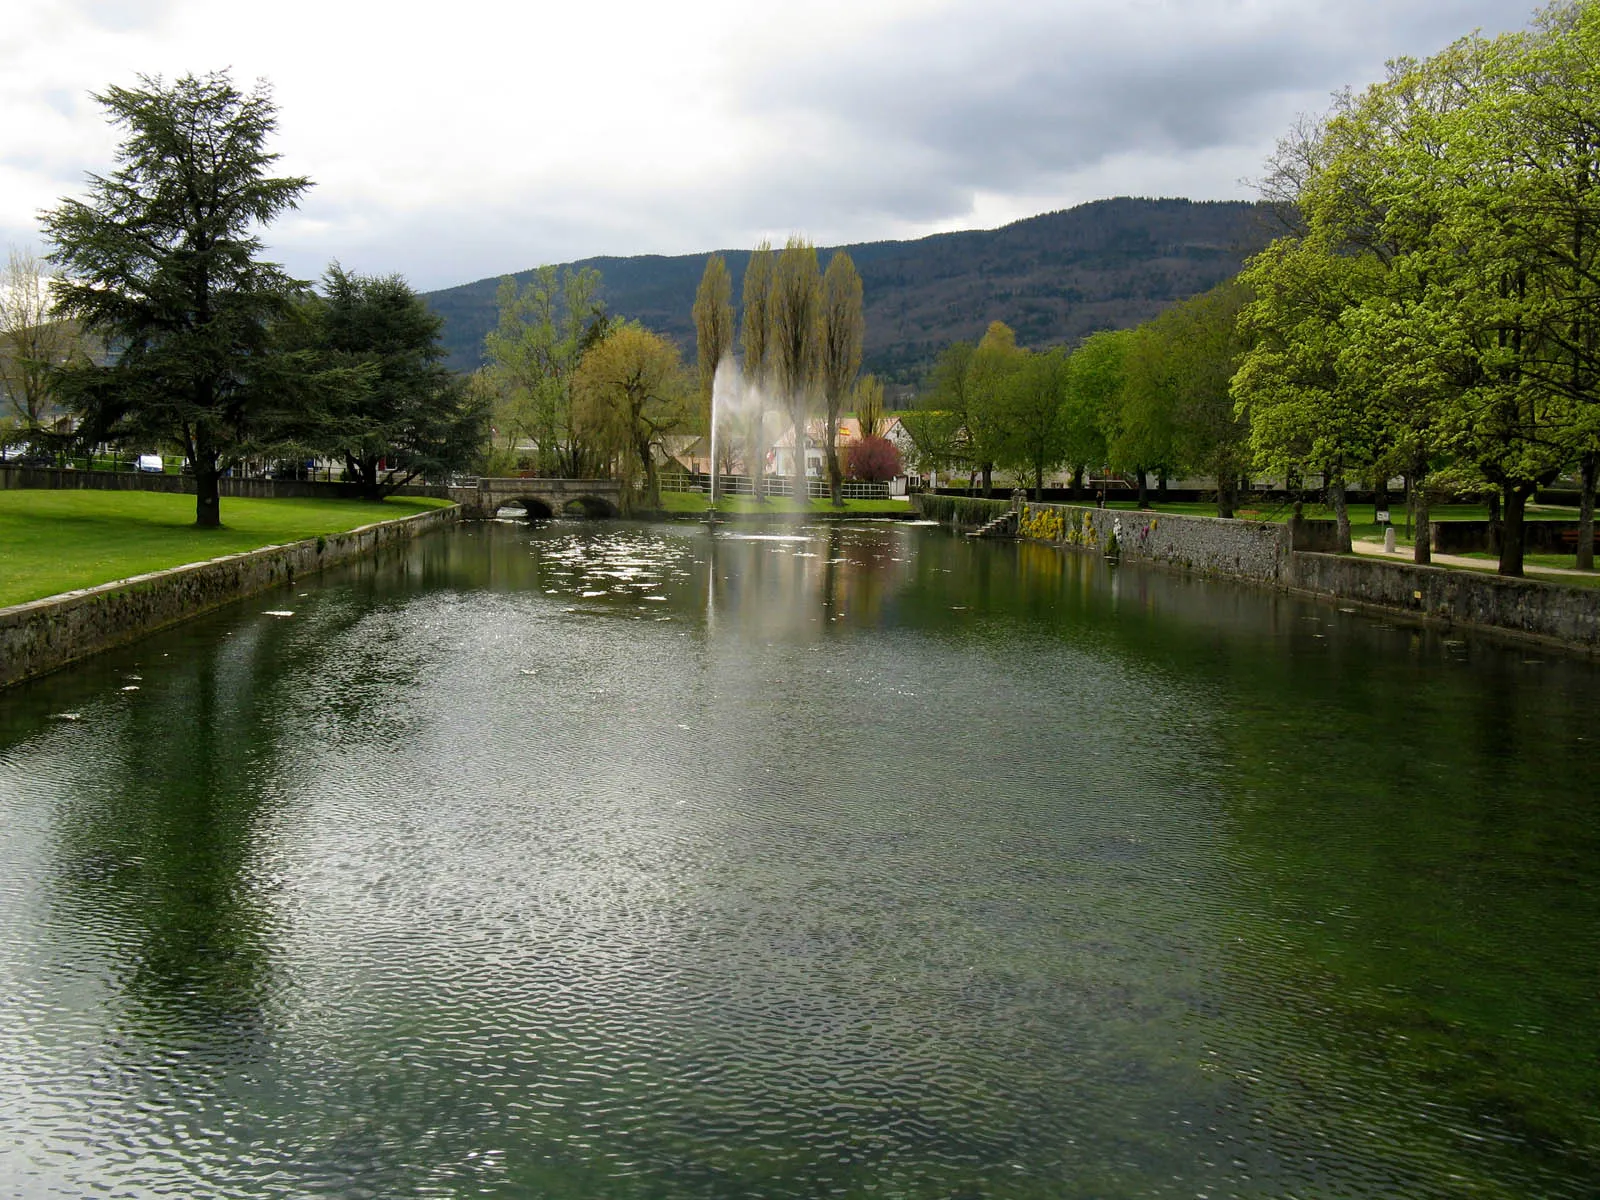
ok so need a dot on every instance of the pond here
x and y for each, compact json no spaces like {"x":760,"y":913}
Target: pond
{"x":853,"y":860}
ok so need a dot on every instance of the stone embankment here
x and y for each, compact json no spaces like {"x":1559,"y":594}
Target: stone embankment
{"x":42,"y":635}
{"x":1299,"y":556}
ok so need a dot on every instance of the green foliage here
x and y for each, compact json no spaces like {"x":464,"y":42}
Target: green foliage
{"x":631,"y":393}
{"x":963,"y":512}
{"x":990,"y":374}
{"x":1031,"y":415}
{"x":162,"y":263}
{"x":543,"y":329}
{"x":1093,"y":384}
{"x":390,"y":408}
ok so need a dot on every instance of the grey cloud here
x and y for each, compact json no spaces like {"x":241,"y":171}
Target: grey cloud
{"x":983,"y":98}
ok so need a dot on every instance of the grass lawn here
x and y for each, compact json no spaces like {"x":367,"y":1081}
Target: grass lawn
{"x":56,"y":541}
{"x":696,"y":502}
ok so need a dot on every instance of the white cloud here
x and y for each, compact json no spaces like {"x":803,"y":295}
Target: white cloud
{"x":456,"y":141}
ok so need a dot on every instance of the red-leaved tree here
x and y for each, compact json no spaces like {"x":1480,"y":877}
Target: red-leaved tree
{"x":874,"y":459}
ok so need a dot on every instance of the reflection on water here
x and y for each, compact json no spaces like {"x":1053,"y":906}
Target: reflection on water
{"x":626,"y":860}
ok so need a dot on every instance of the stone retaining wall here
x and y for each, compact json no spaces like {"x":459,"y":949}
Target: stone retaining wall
{"x":1295,"y":556}
{"x":1253,"y":550}
{"x":45,"y":634}
{"x":1548,"y":612}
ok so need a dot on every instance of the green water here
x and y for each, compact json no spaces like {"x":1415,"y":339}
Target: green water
{"x":609,"y":860}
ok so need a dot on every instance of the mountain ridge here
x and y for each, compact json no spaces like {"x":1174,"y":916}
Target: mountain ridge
{"x":1054,"y":278}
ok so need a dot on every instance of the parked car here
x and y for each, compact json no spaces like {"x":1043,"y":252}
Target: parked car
{"x":150,"y":464}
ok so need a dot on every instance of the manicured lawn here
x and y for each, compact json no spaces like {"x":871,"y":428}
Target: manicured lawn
{"x":696,"y":502}
{"x":56,"y":541}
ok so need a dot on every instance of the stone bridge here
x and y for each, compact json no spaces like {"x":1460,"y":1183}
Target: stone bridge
{"x":541,"y":497}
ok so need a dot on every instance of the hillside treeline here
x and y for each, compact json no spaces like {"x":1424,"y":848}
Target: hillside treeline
{"x":1054,"y":278}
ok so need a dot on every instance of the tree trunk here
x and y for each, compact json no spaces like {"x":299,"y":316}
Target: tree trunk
{"x":1225,"y":486}
{"x":1077,"y":483}
{"x":652,"y":481}
{"x":1038,"y":484}
{"x":797,"y":476}
{"x":1161,"y":484}
{"x":835,"y":475}
{"x":1422,"y":547}
{"x":988,"y":479}
{"x":1341,"y":511}
{"x":1587,"y":469}
{"x":1516,"y":500}
{"x":207,"y":497}
{"x":1144,"y":487}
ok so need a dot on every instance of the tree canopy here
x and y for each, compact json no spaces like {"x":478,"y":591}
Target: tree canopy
{"x":162,"y":262}
{"x":395,"y":411}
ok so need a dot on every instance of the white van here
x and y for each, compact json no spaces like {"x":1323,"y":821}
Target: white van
{"x":150,"y":463}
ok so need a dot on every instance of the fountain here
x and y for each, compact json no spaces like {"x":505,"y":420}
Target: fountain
{"x":739,"y":410}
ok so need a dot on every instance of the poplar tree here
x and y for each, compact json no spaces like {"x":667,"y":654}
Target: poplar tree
{"x":843,"y":331}
{"x":796,"y":343}
{"x":755,"y":339}
{"x":713,"y":323}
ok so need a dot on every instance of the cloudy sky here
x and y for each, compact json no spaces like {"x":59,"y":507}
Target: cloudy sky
{"x":466,"y":138}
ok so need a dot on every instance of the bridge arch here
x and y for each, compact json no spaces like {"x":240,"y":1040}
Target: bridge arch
{"x":532,"y":506}
{"x":589,"y":506}
{"x":540,"y":497}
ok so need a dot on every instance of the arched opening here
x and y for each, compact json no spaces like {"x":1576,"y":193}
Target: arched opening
{"x":589,"y":506}
{"x":530,"y":507}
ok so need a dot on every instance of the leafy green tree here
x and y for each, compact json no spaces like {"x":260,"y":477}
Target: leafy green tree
{"x":1140,"y":423}
{"x":162,"y":263}
{"x":399,"y":412}
{"x":632,"y":393}
{"x":1091,"y":388}
{"x":1033,"y":417}
{"x":1531,"y":191}
{"x":1175,"y":404}
{"x":1304,"y":411}
{"x":541,"y":334}
{"x":842,"y":331}
{"x":938,"y":424}
{"x":995,"y":361}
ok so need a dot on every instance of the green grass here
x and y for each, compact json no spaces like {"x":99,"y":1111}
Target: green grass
{"x":697,"y":502}
{"x":57,"y":541}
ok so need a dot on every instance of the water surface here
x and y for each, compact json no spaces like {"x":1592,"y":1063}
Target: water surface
{"x":611,"y":860}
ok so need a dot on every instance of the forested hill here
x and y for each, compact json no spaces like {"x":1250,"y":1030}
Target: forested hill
{"x":1053,"y":278}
